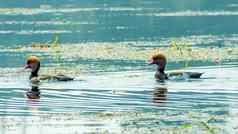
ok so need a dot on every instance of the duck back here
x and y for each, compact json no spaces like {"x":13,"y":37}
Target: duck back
{"x":61,"y":77}
{"x":186,"y":74}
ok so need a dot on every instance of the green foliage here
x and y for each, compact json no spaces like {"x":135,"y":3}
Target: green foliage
{"x":183,"y":49}
{"x":208,"y":127}
{"x":55,"y":43}
{"x":196,"y":121}
{"x":187,"y":126}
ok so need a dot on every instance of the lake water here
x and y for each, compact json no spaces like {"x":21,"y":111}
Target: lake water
{"x":105,"y":45}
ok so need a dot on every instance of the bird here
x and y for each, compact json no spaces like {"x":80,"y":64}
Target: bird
{"x":160,"y":60}
{"x":33,"y":63}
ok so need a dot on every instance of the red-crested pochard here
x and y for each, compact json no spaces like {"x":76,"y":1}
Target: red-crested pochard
{"x":161,"y":61}
{"x":33,"y":63}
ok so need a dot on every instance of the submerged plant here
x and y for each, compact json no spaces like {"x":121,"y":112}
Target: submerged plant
{"x":181,"y":49}
{"x":197,"y":122}
{"x":55,"y":43}
{"x":177,"y":51}
{"x":208,"y":127}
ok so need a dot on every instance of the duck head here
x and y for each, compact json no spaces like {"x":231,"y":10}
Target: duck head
{"x":160,"y":61}
{"x":33,"y":63}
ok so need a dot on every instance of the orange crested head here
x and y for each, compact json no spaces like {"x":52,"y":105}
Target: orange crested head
{"x":32,"y":59}
{"x":156,"y":57}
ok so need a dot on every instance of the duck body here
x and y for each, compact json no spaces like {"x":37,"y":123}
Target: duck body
{"x":33,"y":63}
{"x":177,"y":75}
{"x":186,"y":74}
{"x":58,"y":77}
{"x":160,"y":61}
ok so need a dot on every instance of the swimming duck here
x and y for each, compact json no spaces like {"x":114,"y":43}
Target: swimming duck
{"x":160,"y":60}
{"x":33,"y":63}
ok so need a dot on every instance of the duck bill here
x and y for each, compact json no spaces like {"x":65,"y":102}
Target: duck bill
{"x":151,"y":62}
{"x":27,"y":66}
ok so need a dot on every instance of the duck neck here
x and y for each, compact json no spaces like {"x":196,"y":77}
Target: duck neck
{"x":35,"y":71}
{"x":160,"y":70}
{"x":160,"y":75}
{"x":35,"y":88}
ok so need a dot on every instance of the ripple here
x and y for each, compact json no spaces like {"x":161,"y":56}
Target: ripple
{"x":128,"y":104}
{"x":29,"y":32}
{"x":35,"y":11}
{"x":55,"y":22}
{"x":191,"y":13}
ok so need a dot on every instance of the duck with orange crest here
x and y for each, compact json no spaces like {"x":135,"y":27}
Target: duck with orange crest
{"x":33,"y":63}
{"x":160,"y":60}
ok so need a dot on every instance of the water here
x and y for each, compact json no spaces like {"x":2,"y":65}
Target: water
{"x":105,"y":45}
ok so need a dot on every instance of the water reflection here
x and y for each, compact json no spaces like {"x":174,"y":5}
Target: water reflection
{"x":33,"y":95}
{"x":33,"y":92}
{"x":33,"y":106}
{"x":160,"y":95}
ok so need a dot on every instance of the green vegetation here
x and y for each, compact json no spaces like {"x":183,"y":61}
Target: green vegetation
{"x":176,"y":51}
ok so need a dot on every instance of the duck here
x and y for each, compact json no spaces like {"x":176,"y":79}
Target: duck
{"x":33,"y":63}
{"x":160,"y":60}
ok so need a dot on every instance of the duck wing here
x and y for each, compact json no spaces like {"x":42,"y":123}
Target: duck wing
{"x":174,"y":73}
{"x":46,"y":77}
{"x":61,"y":77}
{"x":188,"y":74}
{"x":58,"y":77}
{"x":194,"y":74}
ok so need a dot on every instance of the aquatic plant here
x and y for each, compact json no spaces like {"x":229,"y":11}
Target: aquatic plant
{"x":56,"y":50}
{"x":183,"y":49}
{"x":118,"y":122}
{"x":176,"y":51}
{"x":55,"y":45}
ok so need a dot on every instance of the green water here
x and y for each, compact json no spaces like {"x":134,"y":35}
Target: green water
{"x":105,"y":45}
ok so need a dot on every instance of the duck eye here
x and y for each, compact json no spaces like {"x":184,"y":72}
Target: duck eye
{"x":155,"y":58}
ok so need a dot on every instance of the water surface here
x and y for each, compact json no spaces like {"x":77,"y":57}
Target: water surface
{"x":105,"y":45}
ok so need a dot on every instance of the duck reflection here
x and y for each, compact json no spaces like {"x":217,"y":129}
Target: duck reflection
{"x":160,"y":95}
{"x":33,"y":92}
{"x":33,"y":95}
